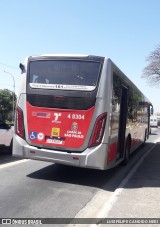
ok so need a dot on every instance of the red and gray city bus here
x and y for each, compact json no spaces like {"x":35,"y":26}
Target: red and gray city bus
{"x":78,"y":110}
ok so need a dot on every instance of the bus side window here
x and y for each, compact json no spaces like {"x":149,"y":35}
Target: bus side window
{"x":130,"y":115}
{"x":116,"y":93}
{"x":115,"y":103}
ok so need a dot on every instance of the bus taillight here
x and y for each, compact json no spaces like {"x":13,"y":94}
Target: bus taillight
{"x":19,"y":125}
{"x":98,"y":131}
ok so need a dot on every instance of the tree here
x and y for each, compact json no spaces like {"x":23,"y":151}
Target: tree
{"x":6,"y":104}
{"x":152,"y":71}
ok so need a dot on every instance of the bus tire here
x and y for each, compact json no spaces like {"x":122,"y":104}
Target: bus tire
{"x":145,"y":137}
{"x":10,"y":147}
{"x":127,"y":151}
{"x":150,"y":131}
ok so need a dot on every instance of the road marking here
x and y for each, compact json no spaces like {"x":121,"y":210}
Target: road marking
{"x":95,"y":208}
{"x":107,"y":207}
{"x":2,"y":166}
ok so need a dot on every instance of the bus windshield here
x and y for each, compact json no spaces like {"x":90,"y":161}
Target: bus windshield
{"x":64,"y":74}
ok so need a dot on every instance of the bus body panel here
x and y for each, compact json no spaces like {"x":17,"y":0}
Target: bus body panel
{"x":58,"y":127}
{"x":63,"y":135}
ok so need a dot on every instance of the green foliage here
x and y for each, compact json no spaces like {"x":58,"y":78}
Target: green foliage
{"x":152,"y":71}
{"x":6,"y":104}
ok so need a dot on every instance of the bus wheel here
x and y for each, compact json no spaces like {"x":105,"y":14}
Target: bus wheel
{"x":146,"y":135}
{"x":10,"y":147}
{"x":127,"y":152}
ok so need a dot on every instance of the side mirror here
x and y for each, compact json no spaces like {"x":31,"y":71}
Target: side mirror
{"x":152,"y":111}
{"x":21,"y":66}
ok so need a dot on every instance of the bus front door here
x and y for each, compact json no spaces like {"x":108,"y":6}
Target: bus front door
{"x":122,"y":122}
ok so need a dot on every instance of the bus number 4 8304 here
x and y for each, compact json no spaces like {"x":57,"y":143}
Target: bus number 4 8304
{"x":76,"y":116}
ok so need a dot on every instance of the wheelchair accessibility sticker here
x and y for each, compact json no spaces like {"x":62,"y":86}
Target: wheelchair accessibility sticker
{"x":33,"y":135}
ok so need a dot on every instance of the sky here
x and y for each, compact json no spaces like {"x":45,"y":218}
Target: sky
{"x":125,"y":31}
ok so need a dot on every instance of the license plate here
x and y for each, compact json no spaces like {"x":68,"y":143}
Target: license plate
{"x":54,"y":141}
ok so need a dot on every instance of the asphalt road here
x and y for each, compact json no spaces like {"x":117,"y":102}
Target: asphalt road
{"x":137,"y":200}
{"x":36,"y":189}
